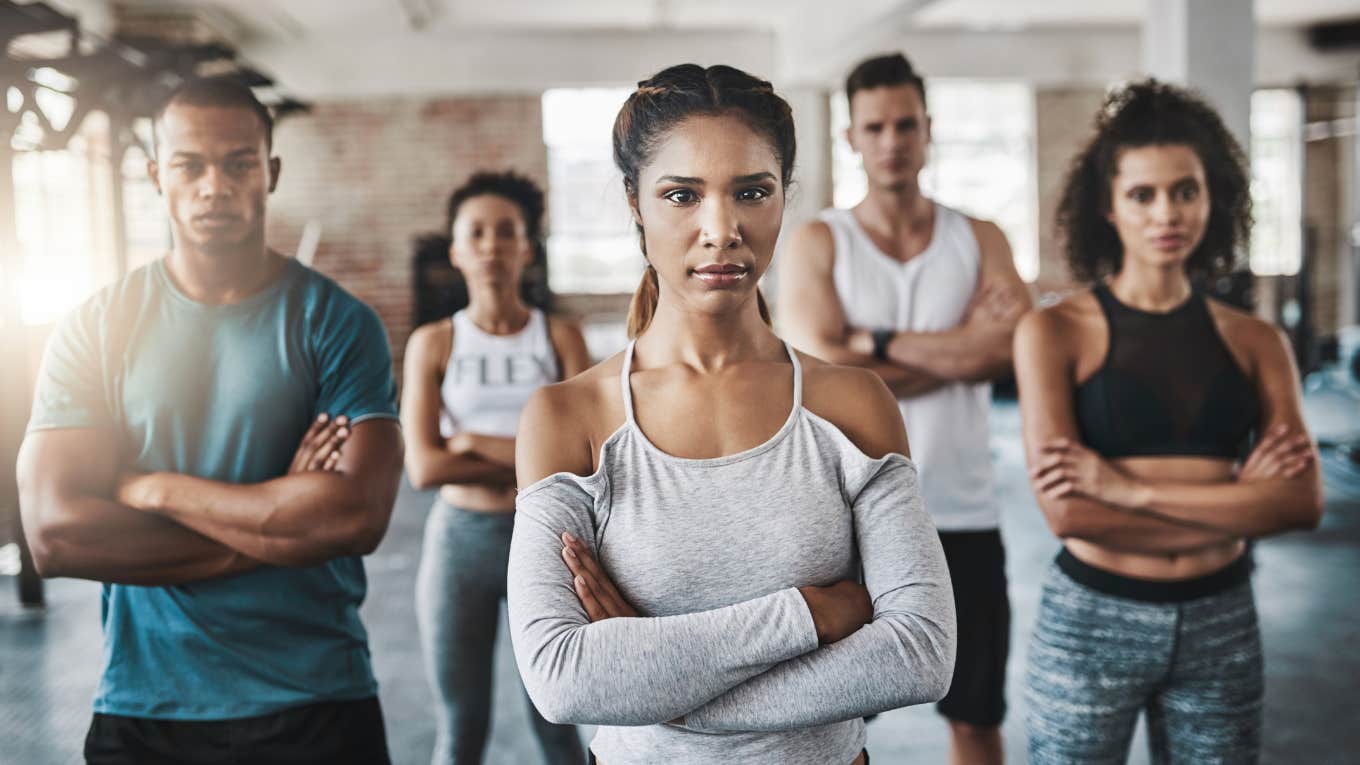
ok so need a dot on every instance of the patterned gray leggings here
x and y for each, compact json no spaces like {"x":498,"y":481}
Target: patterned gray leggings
{"x":459,"y":589}
{"x":1097,"y":660}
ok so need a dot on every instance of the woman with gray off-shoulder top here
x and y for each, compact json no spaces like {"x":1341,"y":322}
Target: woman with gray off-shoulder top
{"x":720,"y":552}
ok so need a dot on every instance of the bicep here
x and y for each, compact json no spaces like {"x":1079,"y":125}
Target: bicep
{"x":420,"y":396}
{"x":996,"y":267}
{"x":806,"y":281}
{"x":1042,"y":373}
{"x":372,"y":458}
{"x":69,"y":461}
{"x":1277,"y":384}
{"x":549,"y":442}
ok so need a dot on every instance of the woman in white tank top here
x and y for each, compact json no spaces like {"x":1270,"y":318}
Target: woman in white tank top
{"x":466,"y":380}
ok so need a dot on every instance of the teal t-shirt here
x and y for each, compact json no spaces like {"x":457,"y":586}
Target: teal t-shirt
{"x":223,"y":392}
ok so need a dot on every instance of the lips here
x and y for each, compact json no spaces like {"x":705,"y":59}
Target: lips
{"x":1170,"y":241}
{"x":216,"y":219}
{"x":721,"y":274}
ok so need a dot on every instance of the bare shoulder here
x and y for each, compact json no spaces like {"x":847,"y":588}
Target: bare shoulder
{"x":429,"y":344}
{"x":986,"y":232}
{"x":1063,"y":319}
{"x":813,"y":241}
{"x":431,"y":335}
{"x":564,"y":423}
{"x":857,"y":402}
{"x":1248,"y":335}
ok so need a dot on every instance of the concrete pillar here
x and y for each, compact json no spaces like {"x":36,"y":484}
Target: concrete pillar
{"x":1208,"y":45}
{"x":811,"y":191}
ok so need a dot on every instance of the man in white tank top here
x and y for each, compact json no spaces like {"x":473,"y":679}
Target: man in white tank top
{"x":928,"y":298}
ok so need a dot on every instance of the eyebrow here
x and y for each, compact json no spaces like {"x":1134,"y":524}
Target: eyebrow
{"x":752,"y":178}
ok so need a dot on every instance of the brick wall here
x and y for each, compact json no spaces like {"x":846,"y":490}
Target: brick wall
{"x":374,"y":174}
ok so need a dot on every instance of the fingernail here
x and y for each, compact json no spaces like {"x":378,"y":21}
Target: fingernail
{"x":342,"y":419}
{"x":571,"y":552}
{"x":321,"y":417}
{"x":342,"y":432}
{"x":567,"y":536}
{"x":580,"y":582}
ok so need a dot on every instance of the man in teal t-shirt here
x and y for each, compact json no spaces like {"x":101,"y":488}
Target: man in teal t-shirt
{"x":214,"y":438}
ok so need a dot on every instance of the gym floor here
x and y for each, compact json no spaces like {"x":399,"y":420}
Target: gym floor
{"x":1306,"y":587}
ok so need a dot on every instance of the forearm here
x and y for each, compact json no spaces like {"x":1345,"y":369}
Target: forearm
{"x":96,"y":539}
{"x":961,"y":354}
{"x":904,"y":656}
{"x":428,"y":468}
{"x":1125,"y":530}
{"x":903,"y":381}
{"x":300,"y":519}
{"x":629,"y":671}
{"x":1239,"y":509}
{"x":499,"y":450}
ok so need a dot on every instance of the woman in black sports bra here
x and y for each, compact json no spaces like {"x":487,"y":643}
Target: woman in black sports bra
{"x":1162,"y":430}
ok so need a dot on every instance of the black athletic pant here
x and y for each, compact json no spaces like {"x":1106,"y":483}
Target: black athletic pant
{"x":338,"y":733}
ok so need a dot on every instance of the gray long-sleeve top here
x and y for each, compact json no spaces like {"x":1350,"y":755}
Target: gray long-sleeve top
{"x":712,"y":551}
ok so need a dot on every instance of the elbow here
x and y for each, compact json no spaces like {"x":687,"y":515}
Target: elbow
{"x":366,"y":530}
{"x":420,"y":475}
{"x":1308,"y":514}
{"x":1061,"y":517}
{"x":45,"y":540}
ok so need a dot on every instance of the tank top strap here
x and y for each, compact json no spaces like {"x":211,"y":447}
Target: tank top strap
{"x":625,"y":385}
{"x":797,"y":375}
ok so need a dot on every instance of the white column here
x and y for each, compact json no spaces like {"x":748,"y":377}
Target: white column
{"x":811,"y":191}
{"x":1208,"y":45}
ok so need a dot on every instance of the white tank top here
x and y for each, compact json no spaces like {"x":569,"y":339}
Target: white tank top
{"x":948,"y":427}
{"x":489,"y":377}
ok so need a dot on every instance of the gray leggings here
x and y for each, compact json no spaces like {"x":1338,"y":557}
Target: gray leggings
{"x":459,"y":588}
{"x":1097,"y":660}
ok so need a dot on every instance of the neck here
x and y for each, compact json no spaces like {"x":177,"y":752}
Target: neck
{"x":223,"y":277}
{"x":1150,"y":288}
{"x":497,"y":309}
{"x":705,"y":341}
{"x":900,"y":209}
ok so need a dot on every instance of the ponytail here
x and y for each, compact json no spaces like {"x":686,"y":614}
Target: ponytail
{"x":643,"y":307}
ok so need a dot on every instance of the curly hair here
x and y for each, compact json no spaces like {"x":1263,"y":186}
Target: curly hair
{"x":1152,"y":113}
{"x":519,"y":189}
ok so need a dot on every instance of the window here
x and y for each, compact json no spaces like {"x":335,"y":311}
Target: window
{"x":64,"y":214}
{"x":1276,"y":186}
{"x":593,"y":246}
{"x":981,"y":158}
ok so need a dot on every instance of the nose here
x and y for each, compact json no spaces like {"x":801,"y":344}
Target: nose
{"x":720,"y":228}
{"x":214,"y":183}
{"x":1166,"y":209}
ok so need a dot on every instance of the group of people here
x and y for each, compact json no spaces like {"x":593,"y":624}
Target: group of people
{"x":717,"y":545}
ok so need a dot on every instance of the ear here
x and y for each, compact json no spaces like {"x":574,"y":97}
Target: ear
{"x":929,"y":127}
{"x":153,"y":171}
{"x":275,"y":167}
{"x":850,"y":139}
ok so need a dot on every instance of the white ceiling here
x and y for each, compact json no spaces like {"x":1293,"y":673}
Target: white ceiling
{"x":349,"y":48}
{"x":298,"y":19}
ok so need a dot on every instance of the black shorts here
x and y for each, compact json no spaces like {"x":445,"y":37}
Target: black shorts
{"x":977,"y":566}
{"x":341,"y":732}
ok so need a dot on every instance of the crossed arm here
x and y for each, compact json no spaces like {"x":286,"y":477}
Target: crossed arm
{"x":917,"y":362}
{"x":1085,"y":497}
{"x":586,"y":656}
{"x":85,"y":519}
{"x":466,"y":458}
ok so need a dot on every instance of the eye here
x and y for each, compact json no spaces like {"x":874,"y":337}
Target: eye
{"x":1141,"y":195}
{"x":753,"y":194}
{"x":1188,"y":193}
{"x":681,"y":196}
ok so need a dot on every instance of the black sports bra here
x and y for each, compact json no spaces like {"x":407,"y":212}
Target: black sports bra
{"x":1168,"y":386}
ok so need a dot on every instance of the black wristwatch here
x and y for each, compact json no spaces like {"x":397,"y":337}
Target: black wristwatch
{"x":881,"y":339}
